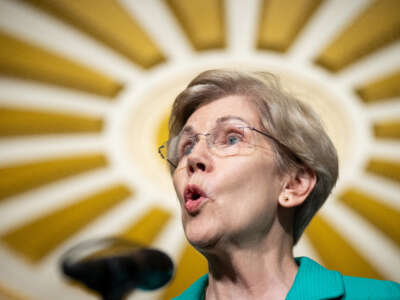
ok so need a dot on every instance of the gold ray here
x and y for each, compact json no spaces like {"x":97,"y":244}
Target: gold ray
{"x":276,"y":34}
{"x":381,"y":89}
{"x":8,"y":294}
{"x":162,"y":131}
{"x":336,"y":253}
{"x":38,"y":238}
{"x":387,"y":129}
{"x":147,"y":228}
{"x":17,"y":122}
{"x":190,"y":267}
{"x":386,"y":168}
{"x":110,"y":23}
{"x":202,"y":20}
{"x":16,"y":179}
{"x":385,"y":218}
{"x":162,"y":135}
{"x":21,"y":59}
{"x":375,"y":27}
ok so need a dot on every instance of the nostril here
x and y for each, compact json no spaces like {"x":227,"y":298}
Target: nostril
{"x":196,"y":166}
{"x":201,"y":166}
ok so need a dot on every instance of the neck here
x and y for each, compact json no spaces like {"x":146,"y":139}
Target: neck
{"x":263,"y":271}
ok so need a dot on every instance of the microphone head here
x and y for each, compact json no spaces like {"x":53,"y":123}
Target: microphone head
{"x":116,"y":266}
{"x":154,"y":268}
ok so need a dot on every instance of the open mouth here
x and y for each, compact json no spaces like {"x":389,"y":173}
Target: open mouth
{"x":193,"y":192}
{"x":194,"y":196}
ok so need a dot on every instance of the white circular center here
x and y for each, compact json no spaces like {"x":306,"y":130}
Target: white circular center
{"x":142,"y":109}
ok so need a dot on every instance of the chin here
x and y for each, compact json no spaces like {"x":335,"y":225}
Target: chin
{"x":203,"y":246}
{"x":199,"y":237}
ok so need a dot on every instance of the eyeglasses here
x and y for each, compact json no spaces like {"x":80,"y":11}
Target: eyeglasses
{"x":226,"y":139}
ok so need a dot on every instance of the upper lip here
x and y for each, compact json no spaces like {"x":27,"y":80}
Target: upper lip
{"x":193,"y":192}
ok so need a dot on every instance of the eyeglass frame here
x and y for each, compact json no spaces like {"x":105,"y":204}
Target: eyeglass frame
{"x":287,"y":149}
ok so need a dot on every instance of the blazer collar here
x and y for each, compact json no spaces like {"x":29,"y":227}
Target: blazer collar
{"x":196,"y":291}
{"x":315,"y":282}
{"x":312,"y":282}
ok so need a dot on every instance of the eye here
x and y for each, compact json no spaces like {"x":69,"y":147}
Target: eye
{"x":186,"y":148}
{"x":233,"y":138}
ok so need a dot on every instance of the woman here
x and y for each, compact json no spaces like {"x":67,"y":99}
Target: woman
{"x":251,"y":165}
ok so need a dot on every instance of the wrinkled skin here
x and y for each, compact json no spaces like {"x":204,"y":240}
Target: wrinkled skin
{"x":242,"y":191}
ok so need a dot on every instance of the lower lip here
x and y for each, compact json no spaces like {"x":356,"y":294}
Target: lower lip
{"x":193,"y":206}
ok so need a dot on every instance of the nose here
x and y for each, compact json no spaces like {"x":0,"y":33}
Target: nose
{"x":199,"y":159}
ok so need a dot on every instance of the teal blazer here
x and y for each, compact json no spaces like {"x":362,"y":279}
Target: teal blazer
{"x":314,"y":282}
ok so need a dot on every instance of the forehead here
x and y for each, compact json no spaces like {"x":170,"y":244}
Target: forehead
{"x":235,"y":107}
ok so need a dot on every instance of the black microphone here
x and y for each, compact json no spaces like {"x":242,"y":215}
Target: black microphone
{"x":113,"y":267}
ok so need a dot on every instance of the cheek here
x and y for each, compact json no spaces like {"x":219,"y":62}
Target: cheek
{"x":248,"y":181}
{"x":178,"y":183}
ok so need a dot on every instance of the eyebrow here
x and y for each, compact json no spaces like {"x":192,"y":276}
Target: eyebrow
{"x":230,"y":117}
{"x":189,"y":128}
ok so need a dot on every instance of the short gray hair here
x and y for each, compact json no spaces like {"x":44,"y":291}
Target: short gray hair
{"x":292,"y":122}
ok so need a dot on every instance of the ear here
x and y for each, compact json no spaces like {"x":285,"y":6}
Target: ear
{"x":297,"y":187}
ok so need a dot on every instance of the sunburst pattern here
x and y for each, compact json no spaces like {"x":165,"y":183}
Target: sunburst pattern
{"x":86,"y":87}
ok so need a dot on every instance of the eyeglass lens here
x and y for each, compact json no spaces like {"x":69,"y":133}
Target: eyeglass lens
{"x":226,"y":139}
